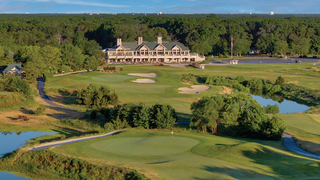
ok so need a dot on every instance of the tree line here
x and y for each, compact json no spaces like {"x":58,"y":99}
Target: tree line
{"x":64,"y":43}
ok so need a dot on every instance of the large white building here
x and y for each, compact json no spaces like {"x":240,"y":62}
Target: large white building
{"x":150,"y":52}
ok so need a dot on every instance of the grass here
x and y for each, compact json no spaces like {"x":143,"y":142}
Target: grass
{"x":306,"y":129}
{"x":164,"y":91}
{"x":203,"y":157}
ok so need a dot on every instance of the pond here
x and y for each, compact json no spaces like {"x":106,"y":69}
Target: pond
{"x":13,"y":141}
{"x":6,"y":175}
{"x":285,"y":106}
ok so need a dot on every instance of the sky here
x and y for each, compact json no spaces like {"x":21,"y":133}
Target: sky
{"x":164,"y":6}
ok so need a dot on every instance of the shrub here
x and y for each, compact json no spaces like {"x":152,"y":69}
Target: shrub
{"x":96,"y":97}
{"x":40,"y":110}
{"x":272,"y":109}
{"x":280,"y":81}
{"x":93,"y":114}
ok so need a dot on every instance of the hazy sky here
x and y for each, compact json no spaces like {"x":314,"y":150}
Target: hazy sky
{"x":165,"y":6}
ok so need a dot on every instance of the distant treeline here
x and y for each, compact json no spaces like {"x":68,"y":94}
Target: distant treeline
{"x":72,"y":42}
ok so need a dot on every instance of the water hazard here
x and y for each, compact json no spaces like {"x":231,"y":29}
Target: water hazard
{"x":285,"y":106}
{"x":11,"y":141}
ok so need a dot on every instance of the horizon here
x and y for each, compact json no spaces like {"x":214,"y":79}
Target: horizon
{"x":157,"y":6}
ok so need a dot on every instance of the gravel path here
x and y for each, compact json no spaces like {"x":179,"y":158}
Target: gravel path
{"x":290,"y":143}
{"x":58,"y":143}
{"x":43,"y":95}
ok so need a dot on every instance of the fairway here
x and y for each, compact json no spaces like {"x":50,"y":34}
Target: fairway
{"x":146,"y":146}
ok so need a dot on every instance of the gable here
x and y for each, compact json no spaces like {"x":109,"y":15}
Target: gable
{"x":160,"y":47}
{"x":176,"y":47}
{"x":120,"y":48}
{"x":144,"y":47}
{"x":13,"y":67}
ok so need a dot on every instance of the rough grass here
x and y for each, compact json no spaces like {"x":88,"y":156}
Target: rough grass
{"x":213,"y":158}
{"x":306,"y":128}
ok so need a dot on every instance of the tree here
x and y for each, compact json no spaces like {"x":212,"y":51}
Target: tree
{"x":71,"y":56}
{"x":163,"y":116}
{"x":274,"y":128}
{"x":280,"y":81}
{"x":51,"y":56}
{"x":141,"y":116}
{"x":281,"y":47}
{"x":207,"y":113}
{"x":96,"y":98}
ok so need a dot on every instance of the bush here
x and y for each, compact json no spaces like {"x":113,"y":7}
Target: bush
{"x":272,"y":109}
{"x":93,"y":114}
{"x":97,"y":97}
{"x":40,"y":110}
{"x":280,"y":81}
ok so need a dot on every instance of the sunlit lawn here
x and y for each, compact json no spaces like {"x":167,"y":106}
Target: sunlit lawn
{"x":203,"y":157}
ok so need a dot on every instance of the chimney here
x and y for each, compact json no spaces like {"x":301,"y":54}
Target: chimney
{"x":159,"y":40}
{"x":119,"y":42}
{"x":140,"y":40}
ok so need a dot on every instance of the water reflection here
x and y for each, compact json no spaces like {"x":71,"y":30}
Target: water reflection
{"x":285,"y":106}
{"x":11,"y":140}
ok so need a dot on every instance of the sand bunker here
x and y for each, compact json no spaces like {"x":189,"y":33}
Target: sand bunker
{"x":144,"y":74}
{"x":196,"y":89}
{"x":144,"y":81}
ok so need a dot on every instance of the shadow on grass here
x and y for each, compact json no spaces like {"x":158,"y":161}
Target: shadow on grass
{"x":230,"y":173}
{"x":276,"y":165}
{"x":161,"y":162}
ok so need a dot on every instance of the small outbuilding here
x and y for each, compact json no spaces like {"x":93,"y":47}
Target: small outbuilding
{"x":13,"y":69}
{"x":234,"y":61}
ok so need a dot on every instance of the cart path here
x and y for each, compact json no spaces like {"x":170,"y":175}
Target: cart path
{"x":43,"y":95}
{"x":58,"y":143}
{"x":290,"y":143}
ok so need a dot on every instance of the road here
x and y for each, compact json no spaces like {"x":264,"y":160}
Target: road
{"x":43,"y":95}
{"x":268,"y":60}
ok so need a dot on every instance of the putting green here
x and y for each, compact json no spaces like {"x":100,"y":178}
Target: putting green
{"x":146,"y":146}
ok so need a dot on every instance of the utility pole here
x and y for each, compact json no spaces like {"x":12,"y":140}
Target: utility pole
{"x":231,"y":45}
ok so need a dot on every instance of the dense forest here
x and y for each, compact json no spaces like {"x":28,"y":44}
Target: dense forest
{"x":69,"y":42}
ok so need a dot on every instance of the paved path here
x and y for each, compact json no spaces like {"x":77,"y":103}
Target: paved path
{"x":43,"y":95}
{"x":290,"y":143}
{"x":58,"y":143}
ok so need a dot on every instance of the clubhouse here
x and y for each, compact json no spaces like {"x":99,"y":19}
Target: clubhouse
{"x":150,"y":52}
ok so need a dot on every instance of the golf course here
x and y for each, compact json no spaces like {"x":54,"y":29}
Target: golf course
{"x":189,"y":154}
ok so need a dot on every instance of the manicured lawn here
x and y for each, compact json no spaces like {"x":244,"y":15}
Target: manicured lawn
{"x":169,"y":81}
{"x":202,"y":156}
{"x":165,"y":90}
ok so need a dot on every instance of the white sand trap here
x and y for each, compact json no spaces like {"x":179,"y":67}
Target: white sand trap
{"x":196,"y":89}
{"x":144,"y":74}
{"x":144,"y":81}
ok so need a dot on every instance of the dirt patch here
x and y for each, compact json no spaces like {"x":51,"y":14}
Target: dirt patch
{"x":226,"y":90}
{"x":144,"y":81}
{"x":144,"y":74}
{"x":196,"y":89}
{"x":311,"y":147}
